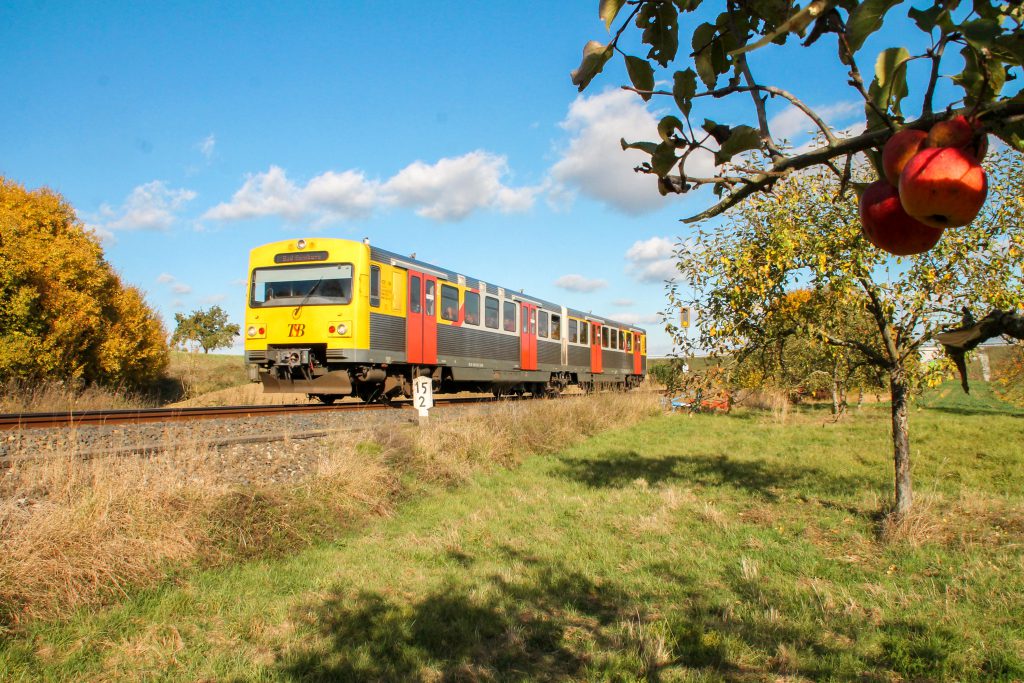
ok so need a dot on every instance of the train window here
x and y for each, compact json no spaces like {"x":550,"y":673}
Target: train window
{"x":620,"y":339}
{"x":491,"y":312}
{"x":556,"y":327}
{"x":449,"y":303}
{"x":542,"y":325}
{"x":429,"y":287}
{"x":604,"y":337}
{"x":471,"y":303}
{"x":305,"y":285}
{"x":510,"y":316}
{"x":526,"y":319}
{"x":572,"y":330}
{"x":414,"y":295}
{"x":629,"y":342}
{"x":583,"y":333}
{"x":375,"y":286}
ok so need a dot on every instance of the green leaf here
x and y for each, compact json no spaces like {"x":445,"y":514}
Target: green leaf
{"x":664,"y":159}
{"x":1010,"y":48}
{"x":865,"y":19}
{"x":649,"y":147}
{"x":716,"y":130}
{"x":608,"y":10}
{"x":701,"y":43}
{"x":641,"y":73}
{"x":1011,"y":133}
{"x":741,"y":139}
{"x":684,"y":87}
{"x":889,"y":86}
{"x":595,"y":56}
{"x":981,"y":81}
{"x":981,"y":32}
{"x":667,"y":126}
{"x":660,"y":24}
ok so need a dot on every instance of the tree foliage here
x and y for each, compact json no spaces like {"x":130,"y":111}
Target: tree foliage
{"x":209,"y":329}
{"x":64,"y":312}
{"x":807,"y":235}
{"x":978,"y":47}
{"x":784,"y":358}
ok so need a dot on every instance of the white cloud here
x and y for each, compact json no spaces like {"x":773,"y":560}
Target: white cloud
{"x":206,"y":146}
{"x":165,"y":278}
{"x":638,"y":318}
{"x":181,"y":288}
{"x":102,"y":234}
{"x":651,"y":260}
{"x":152,"y":206}
{"x":791,"y":123}
{"x":213,"y":298}
{"x":622,"y":303}
{"x":455,"y":187}
{"x":594,"y":162}
{"x":449,"y":190}
{"x":578,"y":283}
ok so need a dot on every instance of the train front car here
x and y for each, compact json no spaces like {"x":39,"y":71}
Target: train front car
{"x":306,"y":317}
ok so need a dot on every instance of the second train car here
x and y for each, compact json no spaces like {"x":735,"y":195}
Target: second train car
{"x":332,"y":318}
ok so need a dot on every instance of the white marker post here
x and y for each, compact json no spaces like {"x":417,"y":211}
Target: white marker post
{"x":423,"y":396}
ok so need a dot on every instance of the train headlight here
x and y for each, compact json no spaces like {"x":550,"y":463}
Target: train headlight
{"x":255,"y":331}
{"x":251,"y":331}
{"x":339,"y":329}
{"x":301,"y":244}
{"x":342,"y":329}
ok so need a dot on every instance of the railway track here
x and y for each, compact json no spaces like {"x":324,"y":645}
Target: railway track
{"x":140,"y":416}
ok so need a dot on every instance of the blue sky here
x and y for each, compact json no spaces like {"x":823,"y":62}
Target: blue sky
{"x":187,"y":133}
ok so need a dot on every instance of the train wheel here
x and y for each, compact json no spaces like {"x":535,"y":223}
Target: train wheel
{"x":326,"y":399}
{"x":368,"y":393}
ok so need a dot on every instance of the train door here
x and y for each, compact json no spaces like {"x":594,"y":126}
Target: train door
{"x":528,"y":339}
{"x":638,"y":367}
{"x":596,"y":364}
{"x":421,"y":319}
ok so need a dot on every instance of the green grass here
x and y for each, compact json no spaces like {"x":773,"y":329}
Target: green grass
{"x":192,"y":374}
{"x":686,"y":548}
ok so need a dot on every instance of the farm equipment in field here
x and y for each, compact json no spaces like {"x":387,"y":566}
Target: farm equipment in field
{"x":719,"y":403}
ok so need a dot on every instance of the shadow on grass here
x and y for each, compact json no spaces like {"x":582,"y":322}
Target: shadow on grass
{"x":520,"y":630}
{"x":617,"y":469}
{"x":551,"y":622}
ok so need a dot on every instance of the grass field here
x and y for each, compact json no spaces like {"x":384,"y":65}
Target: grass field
{"x":684,"y":548}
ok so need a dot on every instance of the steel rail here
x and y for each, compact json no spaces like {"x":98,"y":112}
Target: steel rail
{"x":138,"y":416}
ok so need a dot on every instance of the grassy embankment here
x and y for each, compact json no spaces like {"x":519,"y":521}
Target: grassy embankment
{"x":188,"y":375}
{"x":683,"y":548}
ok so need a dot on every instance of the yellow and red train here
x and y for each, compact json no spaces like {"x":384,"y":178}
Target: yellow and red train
{"x":332,"y":318}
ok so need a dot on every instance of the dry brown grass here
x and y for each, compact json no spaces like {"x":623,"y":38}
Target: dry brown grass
{"x":79,"y":532}
{"x":775,"y":402}
{"x":54,"y":397}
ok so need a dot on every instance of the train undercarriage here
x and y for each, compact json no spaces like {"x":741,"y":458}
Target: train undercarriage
{"x":306,"y":370}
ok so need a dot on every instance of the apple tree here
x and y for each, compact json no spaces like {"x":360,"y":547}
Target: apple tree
{"x":782,"y":358}
{"x":741,"y":272}
{"x":796,"y":224}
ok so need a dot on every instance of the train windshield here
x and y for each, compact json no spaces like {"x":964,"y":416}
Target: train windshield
{"x":330,"y":283}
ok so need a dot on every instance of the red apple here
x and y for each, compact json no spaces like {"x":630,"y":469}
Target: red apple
{"x":954,"y":132}
{"x":898,"y":150}
{"x":959,"y":132}
{"x":887,"y":226}
{"x":943,"y":187}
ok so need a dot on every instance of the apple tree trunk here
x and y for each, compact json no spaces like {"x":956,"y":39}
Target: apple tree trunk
{"x":901,"y":440}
